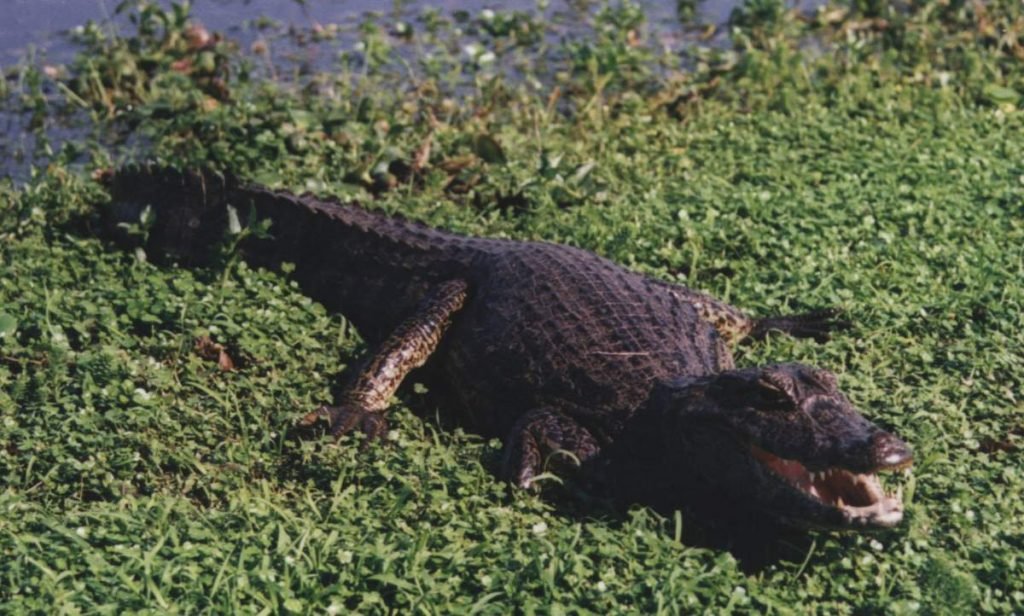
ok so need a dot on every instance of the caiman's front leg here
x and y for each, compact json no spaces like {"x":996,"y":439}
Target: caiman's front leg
{"x":536,"y":436}
{"x":364,"y":402}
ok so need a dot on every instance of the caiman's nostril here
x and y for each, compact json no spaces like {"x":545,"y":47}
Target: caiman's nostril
{"x":889,"y":451}
{"x":894,"y":458}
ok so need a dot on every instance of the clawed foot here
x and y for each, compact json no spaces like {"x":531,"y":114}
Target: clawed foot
{"x":345,"y":419}
{"x":818,"y":325}
{"x":525,"y":461}
{"x":544,"y":436}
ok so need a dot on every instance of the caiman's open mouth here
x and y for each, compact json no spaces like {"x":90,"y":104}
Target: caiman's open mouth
{"x":859,"y":496}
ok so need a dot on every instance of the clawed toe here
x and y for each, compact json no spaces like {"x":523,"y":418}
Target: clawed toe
{"x":346,"y":419}
{"x":817,"y":325}
{"x":520,"y":468}
{"x":820,"y":324}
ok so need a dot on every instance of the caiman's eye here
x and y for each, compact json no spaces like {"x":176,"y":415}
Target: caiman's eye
{"x":773,"y":396}
{"x":818,"y":379}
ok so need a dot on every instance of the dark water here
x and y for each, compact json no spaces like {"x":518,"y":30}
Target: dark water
{"x":37,"y":24}
{"x":36,"y":32}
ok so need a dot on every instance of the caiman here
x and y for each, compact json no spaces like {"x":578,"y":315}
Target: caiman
{"x":552,"y":348}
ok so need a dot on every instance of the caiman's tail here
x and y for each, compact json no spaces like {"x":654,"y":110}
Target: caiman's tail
{"x":170,"y":212}
{"x":186,"y":214}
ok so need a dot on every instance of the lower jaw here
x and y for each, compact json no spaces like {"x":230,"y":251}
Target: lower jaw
{"x":835,"y":519}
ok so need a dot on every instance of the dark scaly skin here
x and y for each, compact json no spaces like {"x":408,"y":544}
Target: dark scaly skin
{"x":550,"y":347}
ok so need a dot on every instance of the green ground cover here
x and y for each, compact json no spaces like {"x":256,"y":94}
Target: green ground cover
{"x":880,"y":169}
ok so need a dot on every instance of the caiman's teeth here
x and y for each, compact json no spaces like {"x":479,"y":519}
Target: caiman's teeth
{"x":860,"y":498}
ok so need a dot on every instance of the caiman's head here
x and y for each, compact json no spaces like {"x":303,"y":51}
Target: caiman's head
{"x":785,"y":441}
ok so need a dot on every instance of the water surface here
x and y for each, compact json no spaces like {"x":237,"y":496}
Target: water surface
{"x":36,"y":32}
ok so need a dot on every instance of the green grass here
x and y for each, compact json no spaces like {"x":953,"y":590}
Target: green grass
{"x":139,"y":477}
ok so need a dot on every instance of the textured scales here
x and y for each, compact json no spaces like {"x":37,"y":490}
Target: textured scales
{"x":552,"y":348}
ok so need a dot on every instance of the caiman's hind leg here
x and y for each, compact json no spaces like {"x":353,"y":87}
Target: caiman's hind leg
{"x":365,"y":400}
{"x":817,"y":324}
{"x":734,"y":325}
{"x":536,"y":436}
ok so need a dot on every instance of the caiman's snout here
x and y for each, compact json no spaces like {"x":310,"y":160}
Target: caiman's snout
{"x":889,"y":452}
{"x":877,"y":451}
{"x":851,"y":488}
